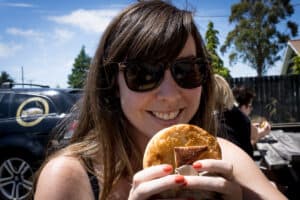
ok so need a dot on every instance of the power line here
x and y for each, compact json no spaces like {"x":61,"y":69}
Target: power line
{"x":212,"y":16}
{"x":226,"y":16}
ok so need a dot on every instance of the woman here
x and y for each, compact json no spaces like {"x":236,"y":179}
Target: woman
{"x":150,"y":71}
{"x":244,"y":97}
{"x":234,"y":125}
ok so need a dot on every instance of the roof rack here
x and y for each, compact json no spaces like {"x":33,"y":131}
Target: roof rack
{"x":6,"y":85}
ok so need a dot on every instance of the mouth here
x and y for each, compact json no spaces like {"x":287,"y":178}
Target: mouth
{"x":166,"y":116}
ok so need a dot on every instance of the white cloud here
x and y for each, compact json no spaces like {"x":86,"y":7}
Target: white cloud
{"x":21,"y":5}
{"x":62,"y":35}
{"x":23,"y":33}
{"x":8,"y":50}
{"x":29,"y":34}
{"x":88,"y":20}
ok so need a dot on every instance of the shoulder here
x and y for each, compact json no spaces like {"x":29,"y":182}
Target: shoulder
{"x":238,"y":115}
{"x":240,"y":160}
{"x":63,"y":177}
{"x":247,"y":173}
{"x":230,"y":151}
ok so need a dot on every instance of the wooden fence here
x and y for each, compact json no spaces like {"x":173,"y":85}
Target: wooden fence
{"x":277,"y":97}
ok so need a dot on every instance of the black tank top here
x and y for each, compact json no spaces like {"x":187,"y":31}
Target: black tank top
{"x":95,"y":186}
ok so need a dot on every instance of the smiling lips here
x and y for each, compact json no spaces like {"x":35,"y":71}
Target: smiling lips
{"x":166,"y":115}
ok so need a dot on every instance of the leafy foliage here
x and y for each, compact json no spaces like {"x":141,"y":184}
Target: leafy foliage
{"x":79,"y":70}
{"x":296,"y":66}
{"x":256,"y":38}
{"x":5,"y":77}
{"x":212,"y":43}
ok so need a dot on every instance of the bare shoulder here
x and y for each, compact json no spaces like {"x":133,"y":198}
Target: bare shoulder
{"x":63,"y":177}
{"x":247,"y":173}
{"x":230,"y":150}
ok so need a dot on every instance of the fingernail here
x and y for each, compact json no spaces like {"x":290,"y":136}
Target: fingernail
{"x":168,"y":168}
{"x":197,"y":165}
{"x":179,"y":179}
{"x":184,"y":184}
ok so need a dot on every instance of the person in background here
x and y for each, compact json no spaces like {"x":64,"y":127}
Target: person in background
{"x":150,"y":71}
{"x":233,"y":124}
{"x":244,"y":97}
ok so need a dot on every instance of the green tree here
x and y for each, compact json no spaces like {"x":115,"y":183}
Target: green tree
{"x":256,"y":37}
{"x":5,"y":77}
{"x":79,"y":70}
{"x":296,"y":66}
{"x":212,"y":43}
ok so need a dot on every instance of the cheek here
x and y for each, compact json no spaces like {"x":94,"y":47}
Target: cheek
{"x":125,"y":94}
{"x":194,"y":97}
{"x":130,"y":101}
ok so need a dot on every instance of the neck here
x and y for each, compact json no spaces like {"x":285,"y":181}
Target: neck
{"x":140,"y":138}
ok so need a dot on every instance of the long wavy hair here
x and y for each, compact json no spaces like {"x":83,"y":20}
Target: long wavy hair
{"x":147,"y":30}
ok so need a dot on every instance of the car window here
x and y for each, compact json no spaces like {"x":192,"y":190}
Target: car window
{"x":75,"y":95}
{"x":31,"y":110}
{"x":4,"y":102}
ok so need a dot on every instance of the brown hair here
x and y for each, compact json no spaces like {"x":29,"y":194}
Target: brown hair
{"x":147,"y":30}
{"x":243,"y":95}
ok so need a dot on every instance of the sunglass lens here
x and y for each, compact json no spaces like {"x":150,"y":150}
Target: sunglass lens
{"x":142,"y":76}
{"x":188,"y":74}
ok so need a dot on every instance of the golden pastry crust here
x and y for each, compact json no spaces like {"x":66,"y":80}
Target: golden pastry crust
{"x":263,"y":124}
{"x":160,"y":149}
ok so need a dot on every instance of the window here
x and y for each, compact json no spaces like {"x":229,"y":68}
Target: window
{"x":4,"y":102}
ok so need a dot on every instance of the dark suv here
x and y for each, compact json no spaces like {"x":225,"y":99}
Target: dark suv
{"x":27,"y":119}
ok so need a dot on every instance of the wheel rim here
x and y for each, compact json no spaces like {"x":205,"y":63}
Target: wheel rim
{"x":15,"y":179}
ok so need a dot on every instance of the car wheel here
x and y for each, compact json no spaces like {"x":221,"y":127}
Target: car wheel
{"x":15,"y":178}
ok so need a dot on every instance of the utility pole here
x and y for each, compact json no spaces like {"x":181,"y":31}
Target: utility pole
{"x":22,"y":76}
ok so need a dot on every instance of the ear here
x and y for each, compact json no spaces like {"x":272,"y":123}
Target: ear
{"x":243,"y":108}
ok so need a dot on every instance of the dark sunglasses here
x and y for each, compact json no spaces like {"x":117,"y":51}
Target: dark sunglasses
{"x":188,"y":73}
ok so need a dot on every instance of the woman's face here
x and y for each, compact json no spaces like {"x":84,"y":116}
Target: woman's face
{"x":247,"y":109}
{"x":148,"y":112}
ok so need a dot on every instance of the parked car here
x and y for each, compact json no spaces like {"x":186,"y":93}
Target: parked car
{"x":27,"y":119}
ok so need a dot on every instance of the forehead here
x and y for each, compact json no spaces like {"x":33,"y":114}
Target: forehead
{"x":189,"y":48}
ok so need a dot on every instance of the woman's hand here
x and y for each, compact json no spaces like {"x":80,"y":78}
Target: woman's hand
{"x":257,"y":132}
{"x":156,"y":179}
{"x":223,"y":183}
{"x":265,"y":130}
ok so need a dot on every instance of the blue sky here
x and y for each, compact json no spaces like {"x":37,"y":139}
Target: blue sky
{"x":44,"y":37}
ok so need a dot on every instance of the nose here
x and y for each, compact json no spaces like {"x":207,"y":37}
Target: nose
{"x":168,"y":89}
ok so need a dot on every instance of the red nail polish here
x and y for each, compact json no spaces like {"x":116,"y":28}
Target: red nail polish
{"x":168,"y":168}
{"x":179,"y":179}
{"x":197,"y":165}
{"x":184,"y":184}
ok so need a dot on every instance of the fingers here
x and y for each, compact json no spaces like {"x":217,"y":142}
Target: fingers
{"x":156,"y":179}
{"x":144,"y":190}
{"x":218,"y":167}
{"x":210,"y":183}
{"x":268,"y":126}
{"x":228,"y":189}
{"x":256,"y":124}
{"x":223,"y":182}
{"x":151,"y":173}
